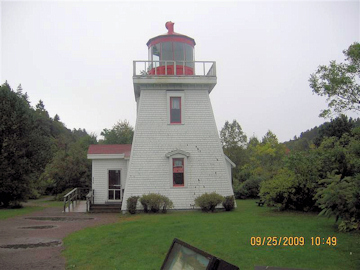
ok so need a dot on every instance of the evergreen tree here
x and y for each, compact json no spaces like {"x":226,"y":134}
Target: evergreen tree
{"x":19,"y":90}
{"x":336,"y":128}
{"x":16,"y":127}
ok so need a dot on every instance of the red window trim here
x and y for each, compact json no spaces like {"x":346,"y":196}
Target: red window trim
{"x":171,"y":109}
{"x":183,"y":165}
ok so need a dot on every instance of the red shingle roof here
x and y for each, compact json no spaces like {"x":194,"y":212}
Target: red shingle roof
{"x":110,"y":149}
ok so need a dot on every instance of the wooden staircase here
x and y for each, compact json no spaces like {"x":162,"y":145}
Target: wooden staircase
{"x":105,"y":208}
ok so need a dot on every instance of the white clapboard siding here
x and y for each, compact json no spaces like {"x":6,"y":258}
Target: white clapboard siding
{"x":100,"y":178}
{"x":150,"y":170}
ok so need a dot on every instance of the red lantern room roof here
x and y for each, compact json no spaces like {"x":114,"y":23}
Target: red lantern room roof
{"x":171,"y":36}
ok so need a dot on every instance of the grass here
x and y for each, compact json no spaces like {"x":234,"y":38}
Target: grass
{"x":9,"y":213}
{"x":142,"y":241}
{"x":48,"y":202}
{"x":29,"y":207}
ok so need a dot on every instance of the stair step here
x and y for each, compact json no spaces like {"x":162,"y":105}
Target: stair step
{"x":106,"y":208}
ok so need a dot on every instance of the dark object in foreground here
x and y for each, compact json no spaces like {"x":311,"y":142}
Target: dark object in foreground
{"x":274,"y":268}
{"x":260,"y":203}
{"x":184,"y":256}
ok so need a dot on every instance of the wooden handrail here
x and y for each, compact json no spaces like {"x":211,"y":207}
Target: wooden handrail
{"x":67,"y":194}
{"x":75,"y":195}
{"x":69,"y":197}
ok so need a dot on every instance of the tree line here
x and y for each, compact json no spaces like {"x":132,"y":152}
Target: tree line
{"x":38,"y":154}
{"x":322,"y":177}
{"x":320,"y":171}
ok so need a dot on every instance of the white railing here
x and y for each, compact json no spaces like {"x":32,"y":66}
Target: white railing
{"x":70,"y":197}
{"x":73,"y":196}
{"x":89,"y":200}
{"x":145,"y":68}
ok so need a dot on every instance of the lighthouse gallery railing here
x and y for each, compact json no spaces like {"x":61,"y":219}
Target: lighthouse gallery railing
{"x":174,"y":68}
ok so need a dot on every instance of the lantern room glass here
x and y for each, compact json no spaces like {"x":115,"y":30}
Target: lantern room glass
{"x":178,"y":53}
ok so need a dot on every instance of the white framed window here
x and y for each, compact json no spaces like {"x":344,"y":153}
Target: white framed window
{"x":114,"y":187}
{"x":175,"y":107}
{"x":178,"y":170}
{"x":175,"y":110}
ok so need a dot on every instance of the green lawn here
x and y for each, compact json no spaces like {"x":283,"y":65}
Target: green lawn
{"x":9,"y":213}
{"x":141,"y":241}
{"x":29,"y":207}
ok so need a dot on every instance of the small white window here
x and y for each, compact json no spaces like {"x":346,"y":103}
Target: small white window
{"x":178,"y":172}
{"x":175,"y":105}
{"x":175,"y":110}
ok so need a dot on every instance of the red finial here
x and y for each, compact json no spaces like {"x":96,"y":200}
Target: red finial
{"x":170,"y":27}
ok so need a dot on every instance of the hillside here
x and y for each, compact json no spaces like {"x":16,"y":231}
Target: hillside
{"x":311,"y":136}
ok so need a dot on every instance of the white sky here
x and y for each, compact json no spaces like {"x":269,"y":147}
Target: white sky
{"x":77,"y":56}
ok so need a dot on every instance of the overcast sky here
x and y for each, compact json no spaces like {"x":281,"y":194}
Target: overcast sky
{"x":77,"y":56}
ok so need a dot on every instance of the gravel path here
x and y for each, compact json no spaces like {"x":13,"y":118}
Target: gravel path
{"x":34,"y":241}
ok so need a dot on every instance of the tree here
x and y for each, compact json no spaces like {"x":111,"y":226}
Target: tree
{"x":19,"y":90}
{"x":262,"y":161}
{"x":23,"y":147}
{"x":40,"y":106}
{"x":339,"y":187}
{"x":339,"y":83}
{"x":232,"y":135}
{"x":69,"y":168}
{"x":234,"y":140}
{"x":336,"y":128}
{"x":341,"y":198}
{"x":295,"y":185}
{"x":121,"y":133}
{"x":267,"y":156}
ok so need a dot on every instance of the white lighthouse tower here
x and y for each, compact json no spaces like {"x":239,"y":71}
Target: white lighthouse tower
{"x":176,"y":149}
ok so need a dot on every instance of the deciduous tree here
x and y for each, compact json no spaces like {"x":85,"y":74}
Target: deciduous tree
{"x":339,"y":83}
{"x":232,"y":135}
{"x":121,"y":133}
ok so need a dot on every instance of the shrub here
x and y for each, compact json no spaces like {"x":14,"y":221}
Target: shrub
{"x":248,"y":189}
{"x":208,"y":202}
{"x":167,"y":204}
{"x":131,"y":204}
{"x":290,"y":190}
{"x":154,"y":202}
{"x":279,"y":191}
{"x":229,"y":203}
{"x":34,"y":194}
{"x":145,"y":201}
{"x":16,"y":205}
{"x":341,"y":198}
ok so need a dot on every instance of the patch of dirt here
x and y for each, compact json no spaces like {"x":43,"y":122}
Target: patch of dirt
{"x":35,"y":245}
{"x":38,"y":227}
{"x":60,"y":218}
{"x":28,"y":243}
